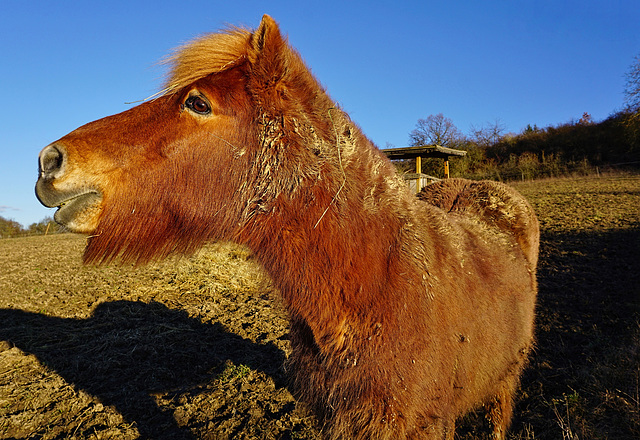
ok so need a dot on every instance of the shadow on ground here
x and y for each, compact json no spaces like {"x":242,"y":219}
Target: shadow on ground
{"x":126,"y":351}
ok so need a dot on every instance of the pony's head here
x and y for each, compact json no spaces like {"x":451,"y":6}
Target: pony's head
{"x":199,"y":161}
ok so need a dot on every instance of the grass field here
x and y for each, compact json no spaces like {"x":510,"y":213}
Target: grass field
{"x":193,"y":348}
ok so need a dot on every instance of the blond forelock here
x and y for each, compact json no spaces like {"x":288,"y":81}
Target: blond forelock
{"x":203,"y":56}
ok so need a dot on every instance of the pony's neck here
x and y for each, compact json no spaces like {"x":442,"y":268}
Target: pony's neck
{"x":333,"y":247}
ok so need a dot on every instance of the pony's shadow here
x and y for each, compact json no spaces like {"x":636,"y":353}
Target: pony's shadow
{"x":126,"y":351}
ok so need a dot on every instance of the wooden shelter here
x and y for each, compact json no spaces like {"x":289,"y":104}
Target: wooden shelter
{"x":418,"y":180}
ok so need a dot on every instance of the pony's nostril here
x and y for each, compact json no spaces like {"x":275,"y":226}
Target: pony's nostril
{"x":51,"y":160}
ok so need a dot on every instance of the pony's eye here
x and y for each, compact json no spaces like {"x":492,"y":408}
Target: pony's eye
{"x":198,"y":105}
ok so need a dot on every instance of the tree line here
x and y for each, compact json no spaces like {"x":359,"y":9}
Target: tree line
{"x":576,"y":147}
{"x":11,"y":228}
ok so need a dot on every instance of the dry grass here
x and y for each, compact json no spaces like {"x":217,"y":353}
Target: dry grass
{"x":585,"y":371}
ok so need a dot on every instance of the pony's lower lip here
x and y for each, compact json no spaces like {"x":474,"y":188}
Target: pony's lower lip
{"x":70,"y":208}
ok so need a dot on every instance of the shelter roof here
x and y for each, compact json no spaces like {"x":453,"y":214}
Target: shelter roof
{"x":422,"y":151}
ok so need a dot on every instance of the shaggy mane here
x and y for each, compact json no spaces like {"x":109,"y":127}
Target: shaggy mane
{"x":203,"y":56}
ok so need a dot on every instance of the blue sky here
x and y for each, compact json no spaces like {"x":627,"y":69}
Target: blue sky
{"x":388,"y":63}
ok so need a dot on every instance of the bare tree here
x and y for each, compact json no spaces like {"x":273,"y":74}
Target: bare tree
{"x":632,"y":87}
{"x":632,"y":100}
{"x":436,"y":130}
{"x":488,"y":134}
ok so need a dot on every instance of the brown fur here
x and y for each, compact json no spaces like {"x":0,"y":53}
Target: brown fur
{"x":405,"y":313}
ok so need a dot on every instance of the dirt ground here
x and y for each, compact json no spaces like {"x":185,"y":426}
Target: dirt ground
{"x":193,"y":348}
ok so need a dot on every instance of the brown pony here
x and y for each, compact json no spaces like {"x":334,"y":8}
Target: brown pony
{"x":405,"y":313}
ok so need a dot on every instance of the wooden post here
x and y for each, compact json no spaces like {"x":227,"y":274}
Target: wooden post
{"x":446,"y":168}
{"x":47,"y":231}
{"x":418,"y":172}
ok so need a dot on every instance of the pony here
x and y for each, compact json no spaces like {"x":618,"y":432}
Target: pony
{"x":405,"y":312}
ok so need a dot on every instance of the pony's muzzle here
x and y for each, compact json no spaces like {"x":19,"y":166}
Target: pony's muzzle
{"x":51,"y":166}
{"x":77,"y":202}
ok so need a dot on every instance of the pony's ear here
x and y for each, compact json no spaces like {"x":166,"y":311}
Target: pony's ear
{"x":266,"y":45}
{"x":265,"y":34}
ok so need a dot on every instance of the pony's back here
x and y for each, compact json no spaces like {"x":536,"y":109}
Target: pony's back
{"x":495,"y":204}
